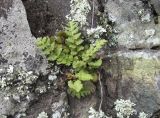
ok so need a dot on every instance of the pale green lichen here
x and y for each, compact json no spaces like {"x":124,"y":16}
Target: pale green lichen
{"x":79,"y":11}
{"x":144,"y":68}
{"x":41,"y":89}
{"x":124,"y":108}
{"x":96,"y":32}
{"x":16,"y":79}
{"x":143,"y":115}
{"x":3,"y":116}
{"x":43,"y":115}
{"x":96,"y":114}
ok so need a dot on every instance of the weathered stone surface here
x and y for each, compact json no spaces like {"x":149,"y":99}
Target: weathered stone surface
{"x":55,"y":105}
{"x":17,"y":47}
{"x":6,"y":106}
{"x":135,"y":36}
{"x":135,"y":76}
{"x":79,"y":107}
{"x":17,"y":42}
{"x":4,"y":7}
{"x":133,"y":20}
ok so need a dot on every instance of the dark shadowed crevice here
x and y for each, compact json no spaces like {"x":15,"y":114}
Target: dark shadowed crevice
{"x":45,"y":17}
{"x":155,"y":48}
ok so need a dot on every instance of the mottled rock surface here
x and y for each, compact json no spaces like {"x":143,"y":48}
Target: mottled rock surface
{"x":79,"y":108}
{"x":17,"y":42}
{"x":133,"y":70}
{"x":16,"y":48}
{"x":135,"y":76}
{"x":54,"y":105}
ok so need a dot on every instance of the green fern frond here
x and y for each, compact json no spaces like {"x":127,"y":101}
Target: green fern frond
{"x":84,"y":75}
{"x":75,"y":86}
{"x":77,"y":64}
{"x":65,"y":59}
{"x":67,"y":48}
{"x":74,"y":40}
{"x":95,"y":64}
{"x":93,"y":49}
{"x":88,"y":88}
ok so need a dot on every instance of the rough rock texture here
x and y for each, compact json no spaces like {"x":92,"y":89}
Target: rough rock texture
{"x":16,"y":48}
{"x":79,"y":108}
{"x":54,"y":105}
{"x":135,"y":76}
{"x":17,"y":42}
{"x":133,"y":71}
{"x":4,"y":7}
{"x":46,"y":16}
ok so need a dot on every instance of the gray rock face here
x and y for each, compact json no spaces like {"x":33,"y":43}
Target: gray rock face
{"x":135,"y":76}
{"x":80,"y":108}
{"x":134,"y":21}
{"x":4,"y":7}
{"x":16,"y":48}
{"x":134,"y":70}
{"x":17,"y":42}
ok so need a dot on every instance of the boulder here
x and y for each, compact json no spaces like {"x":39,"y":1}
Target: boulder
{"x":17,"y":47}
{"x":17,"y":43}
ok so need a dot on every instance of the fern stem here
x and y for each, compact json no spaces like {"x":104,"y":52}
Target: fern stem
{"x":101,"y":87}
{"x":93,"y":10}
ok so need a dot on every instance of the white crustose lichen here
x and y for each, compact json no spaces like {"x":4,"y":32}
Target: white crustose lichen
{"x":124,"y":108}
{"x":43,"y":115}
{"x":96,"y":32}
{"x":95,"y":114}
{"x":79,"y":11}
{"x":17,"y":79}
{"x":143,"y":115}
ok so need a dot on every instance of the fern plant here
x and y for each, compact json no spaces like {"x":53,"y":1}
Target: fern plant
{"x":68,"y":48}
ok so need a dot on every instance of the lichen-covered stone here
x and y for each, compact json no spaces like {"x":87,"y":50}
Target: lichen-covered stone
{"x":18,"y":58}
{"x":17,"y":42}
{"x":135,"y":76}
{"x":134,"y":20}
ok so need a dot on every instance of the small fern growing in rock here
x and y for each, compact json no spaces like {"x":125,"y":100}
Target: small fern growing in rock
{"x":68,"y":48}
